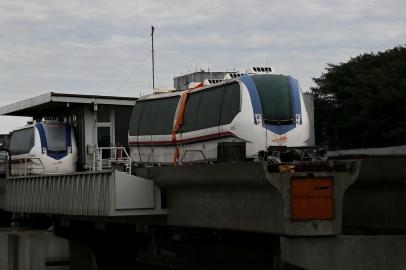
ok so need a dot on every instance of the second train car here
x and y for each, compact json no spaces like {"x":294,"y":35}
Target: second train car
{"x":43,"y":148}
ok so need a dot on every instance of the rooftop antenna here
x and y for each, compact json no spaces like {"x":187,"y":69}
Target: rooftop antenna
{"x":153,"y":57}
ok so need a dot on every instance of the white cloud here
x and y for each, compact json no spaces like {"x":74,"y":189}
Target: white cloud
{"x":94,"y":46}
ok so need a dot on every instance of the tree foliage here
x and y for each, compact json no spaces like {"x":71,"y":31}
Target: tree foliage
{"x":362,"y":103}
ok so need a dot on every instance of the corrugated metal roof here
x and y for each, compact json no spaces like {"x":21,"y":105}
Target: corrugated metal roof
{"x":52,"y":101}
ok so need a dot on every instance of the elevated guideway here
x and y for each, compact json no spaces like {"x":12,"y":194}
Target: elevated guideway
{"x":304,"y":199}
{"x":301,"y":199}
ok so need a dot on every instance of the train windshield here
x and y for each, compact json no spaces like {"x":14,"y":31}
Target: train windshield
{"x":55,"y":134}
{"x":275,"y":96}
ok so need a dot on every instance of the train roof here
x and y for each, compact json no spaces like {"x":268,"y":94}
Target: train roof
{"x":51,"y":102}
{"x":232,"y":77}
{"x":178,"y":92}
{"x":34,"y":123}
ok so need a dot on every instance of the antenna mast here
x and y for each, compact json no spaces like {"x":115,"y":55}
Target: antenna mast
{"x":153,"y":58}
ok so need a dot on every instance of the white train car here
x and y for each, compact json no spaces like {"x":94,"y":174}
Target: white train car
{"x":261,"y":110}
{"x":43,"y":148}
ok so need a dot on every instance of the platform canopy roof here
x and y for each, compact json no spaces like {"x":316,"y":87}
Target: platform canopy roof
{"x":53,"y":103}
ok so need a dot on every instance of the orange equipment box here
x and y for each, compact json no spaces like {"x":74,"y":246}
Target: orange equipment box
{"x":312,"y":198}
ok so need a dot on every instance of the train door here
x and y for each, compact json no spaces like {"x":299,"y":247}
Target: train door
{"x":105,"y":130}
{"x":104,"y":139}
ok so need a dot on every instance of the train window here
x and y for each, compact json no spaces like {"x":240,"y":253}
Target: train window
{"x":145,"y":120}
{"x":22,"y":141}
{"x":204,"y":109}
{"x":275,"y":96}
{"x":212,"y":107}
{"x":135,"y":118}
{"x":191,"y":112}
{"x":154,"y":117}
{"x":164,"y":110}
{"x":55,"y":134}
{"x":231,"y":103}
{"x":209,"y":108}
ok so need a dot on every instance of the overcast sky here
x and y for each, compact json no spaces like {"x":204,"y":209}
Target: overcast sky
{"x":104,"y":47}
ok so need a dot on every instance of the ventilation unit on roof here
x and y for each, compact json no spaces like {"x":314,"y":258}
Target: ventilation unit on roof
{"x":50,"y":119}
{"x":211,"y":81}
{"x":233,"y":75}
{"x":161,"y":90}
{"x":260,"y":70}
{"x":194,"y":85}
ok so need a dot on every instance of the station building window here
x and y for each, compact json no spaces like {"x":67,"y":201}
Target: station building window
{"x":103,"y":115}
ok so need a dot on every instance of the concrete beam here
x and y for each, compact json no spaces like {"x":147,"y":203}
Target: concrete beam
{"x":345,"y":252}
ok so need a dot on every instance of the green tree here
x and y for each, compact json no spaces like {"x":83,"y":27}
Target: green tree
{"x":362,"y":103}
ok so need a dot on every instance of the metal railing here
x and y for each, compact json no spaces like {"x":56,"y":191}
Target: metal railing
{"x":112,"y":155}
{"x":27,"y":165}
{"x":192,"y":151}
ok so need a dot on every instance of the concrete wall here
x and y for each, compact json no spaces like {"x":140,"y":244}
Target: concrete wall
{"x":356,"y":252}
{"x":33,"y":250}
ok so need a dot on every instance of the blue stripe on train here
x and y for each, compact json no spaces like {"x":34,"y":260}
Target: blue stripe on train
{"x":256,"y":104}
{"x":252,"y":90}
{"x":68,"y":129}
{"x":41,"y":132}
